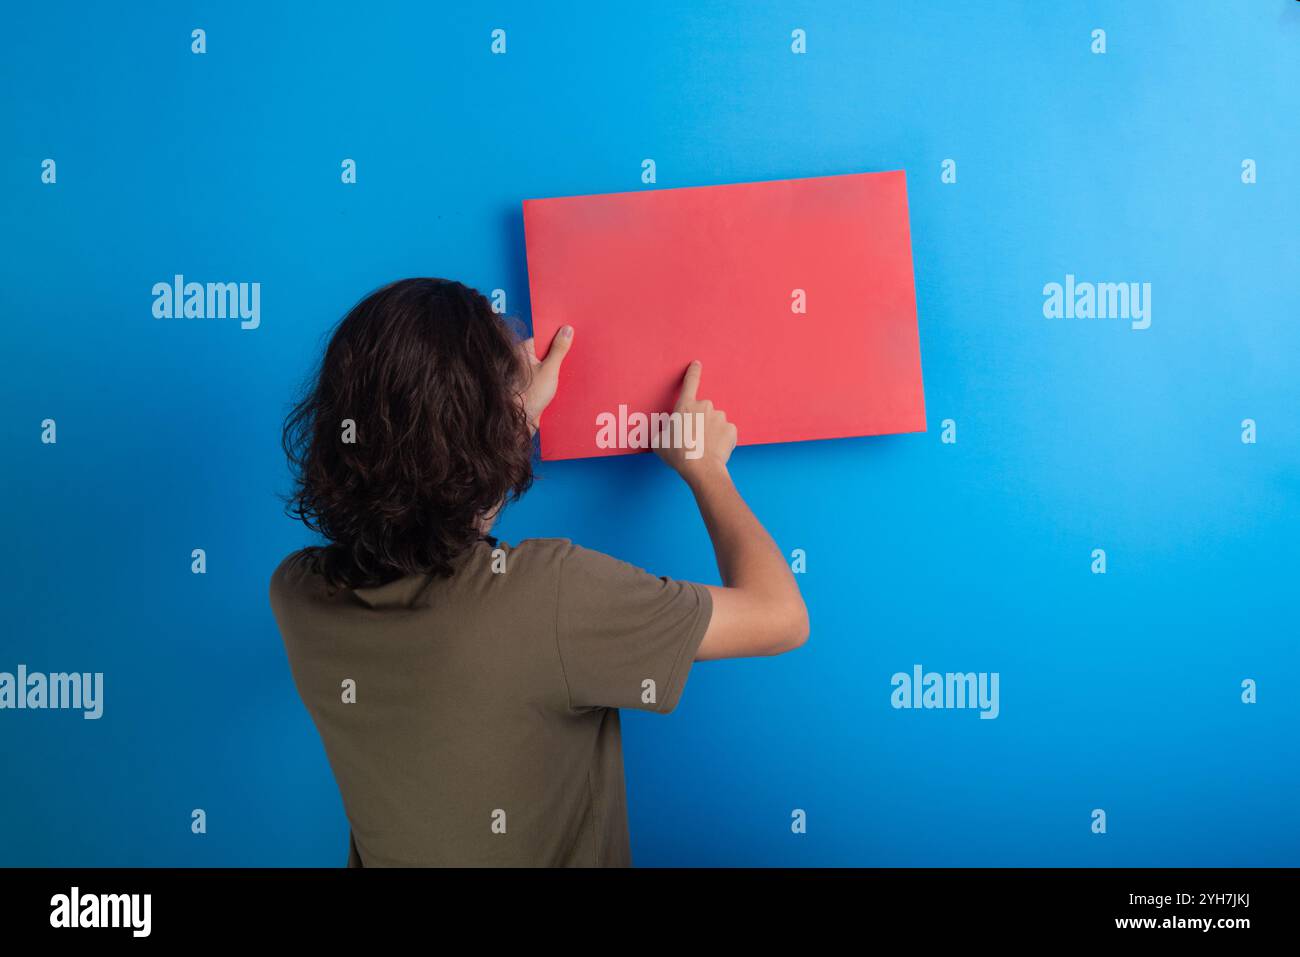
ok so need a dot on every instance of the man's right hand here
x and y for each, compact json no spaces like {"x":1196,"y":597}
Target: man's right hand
{"x":757,"y":610}
{"x":713,"y":437}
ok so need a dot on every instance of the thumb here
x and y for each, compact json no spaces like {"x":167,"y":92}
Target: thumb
{"x":559,"y":349}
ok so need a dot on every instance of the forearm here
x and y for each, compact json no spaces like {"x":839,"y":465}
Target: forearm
{"x":758,"y":584}
{"x":747,"y":557}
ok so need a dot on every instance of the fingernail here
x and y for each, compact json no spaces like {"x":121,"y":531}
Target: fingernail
{"x":566,"y":331}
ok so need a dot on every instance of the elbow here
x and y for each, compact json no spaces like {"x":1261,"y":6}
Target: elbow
{"x":794,"y":630}
{"x":803,"y":627}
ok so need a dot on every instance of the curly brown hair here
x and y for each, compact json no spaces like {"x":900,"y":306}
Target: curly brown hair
{"x":430,"y":377}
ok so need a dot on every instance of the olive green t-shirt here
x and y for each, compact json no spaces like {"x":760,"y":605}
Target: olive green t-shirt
{"x":473,"y":720}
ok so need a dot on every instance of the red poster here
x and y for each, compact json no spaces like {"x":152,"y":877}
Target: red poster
{"x":797,"y":296}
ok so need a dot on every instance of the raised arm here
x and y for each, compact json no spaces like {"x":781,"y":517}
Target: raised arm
{"x":758,"y":609}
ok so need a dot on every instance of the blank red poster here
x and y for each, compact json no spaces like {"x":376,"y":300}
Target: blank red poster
{"x":797,"y":295}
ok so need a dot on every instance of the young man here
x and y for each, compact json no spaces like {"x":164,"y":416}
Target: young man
{"x":467,"y":691}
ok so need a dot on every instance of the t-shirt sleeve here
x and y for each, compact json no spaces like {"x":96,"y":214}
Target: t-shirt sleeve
{"x":626,"y":638}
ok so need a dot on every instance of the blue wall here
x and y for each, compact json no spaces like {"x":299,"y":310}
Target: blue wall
{"x":1119,"y":691}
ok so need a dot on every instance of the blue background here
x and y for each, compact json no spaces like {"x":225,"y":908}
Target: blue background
{"x":1118,"y":691}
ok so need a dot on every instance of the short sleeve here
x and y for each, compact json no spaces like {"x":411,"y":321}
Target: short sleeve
{"x":626,"y":638}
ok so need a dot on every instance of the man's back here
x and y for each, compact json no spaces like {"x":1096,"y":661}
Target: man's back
{"x":473,"y":720}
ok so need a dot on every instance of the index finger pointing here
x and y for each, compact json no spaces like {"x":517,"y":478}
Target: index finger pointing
{"x":690,"y":382}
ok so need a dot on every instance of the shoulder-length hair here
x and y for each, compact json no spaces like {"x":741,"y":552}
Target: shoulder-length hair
{"x":410,"y":435}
